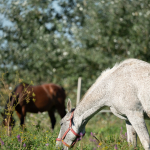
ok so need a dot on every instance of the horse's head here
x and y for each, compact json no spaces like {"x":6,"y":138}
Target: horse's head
{"x":70,"y":131}
{"x":8,"y":120}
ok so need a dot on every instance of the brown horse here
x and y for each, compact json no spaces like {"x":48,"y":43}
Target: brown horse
{"x":26,"y":98}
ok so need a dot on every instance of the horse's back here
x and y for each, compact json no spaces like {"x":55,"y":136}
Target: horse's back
{"x":51,"y":91}
{"x":129,"y":85}
{"x":46,"y":97}
{"x":39,"y":98}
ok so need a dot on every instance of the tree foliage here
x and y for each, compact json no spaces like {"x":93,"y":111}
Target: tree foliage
{"x":58,"y":41}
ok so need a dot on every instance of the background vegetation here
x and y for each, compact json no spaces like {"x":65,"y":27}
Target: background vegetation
{"x":108,"y":129}
{"x":57,"y":41}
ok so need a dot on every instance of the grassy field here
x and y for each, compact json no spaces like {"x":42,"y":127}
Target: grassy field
{"x":108,"y":129}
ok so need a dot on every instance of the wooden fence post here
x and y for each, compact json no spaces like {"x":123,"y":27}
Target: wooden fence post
{"x":78,"y":91}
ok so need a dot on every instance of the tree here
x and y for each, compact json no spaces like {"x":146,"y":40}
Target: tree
{"x":38,"y":43}
{"x":58,"y":41}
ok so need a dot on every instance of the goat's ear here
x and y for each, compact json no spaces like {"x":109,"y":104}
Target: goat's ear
{"x":69,"y":105}
{"x":2,"y":114}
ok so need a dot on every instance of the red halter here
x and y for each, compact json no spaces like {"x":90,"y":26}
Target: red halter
{"x":70,"y":129}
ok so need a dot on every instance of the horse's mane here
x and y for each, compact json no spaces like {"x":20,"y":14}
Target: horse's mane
{"x":8,"y":100}
{"x":111,"y":70}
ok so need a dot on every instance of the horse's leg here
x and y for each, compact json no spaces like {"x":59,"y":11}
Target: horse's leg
{"x":131,"y":134}
{"x":21,"y":118}
{"x":52,"y":118}
{"x":138,"y":123}
{"x":21,"y":114}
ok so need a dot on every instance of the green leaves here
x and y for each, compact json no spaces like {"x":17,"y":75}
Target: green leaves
{"x":58,"y":41}
{"x":33,"y":94}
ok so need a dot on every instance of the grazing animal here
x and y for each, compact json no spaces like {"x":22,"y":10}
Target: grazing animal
{"x":126,"y":90}
{"x":26,"y":98}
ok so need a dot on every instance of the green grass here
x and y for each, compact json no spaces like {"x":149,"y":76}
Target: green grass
{"x":109,"y":130}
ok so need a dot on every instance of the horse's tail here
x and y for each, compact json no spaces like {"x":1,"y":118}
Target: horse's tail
{"x":14,"y":91}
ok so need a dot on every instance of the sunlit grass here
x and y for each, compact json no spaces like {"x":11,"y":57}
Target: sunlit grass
{"x":108,"y":129}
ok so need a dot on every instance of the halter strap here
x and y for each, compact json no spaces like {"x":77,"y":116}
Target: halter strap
{"x":69,"y":129}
